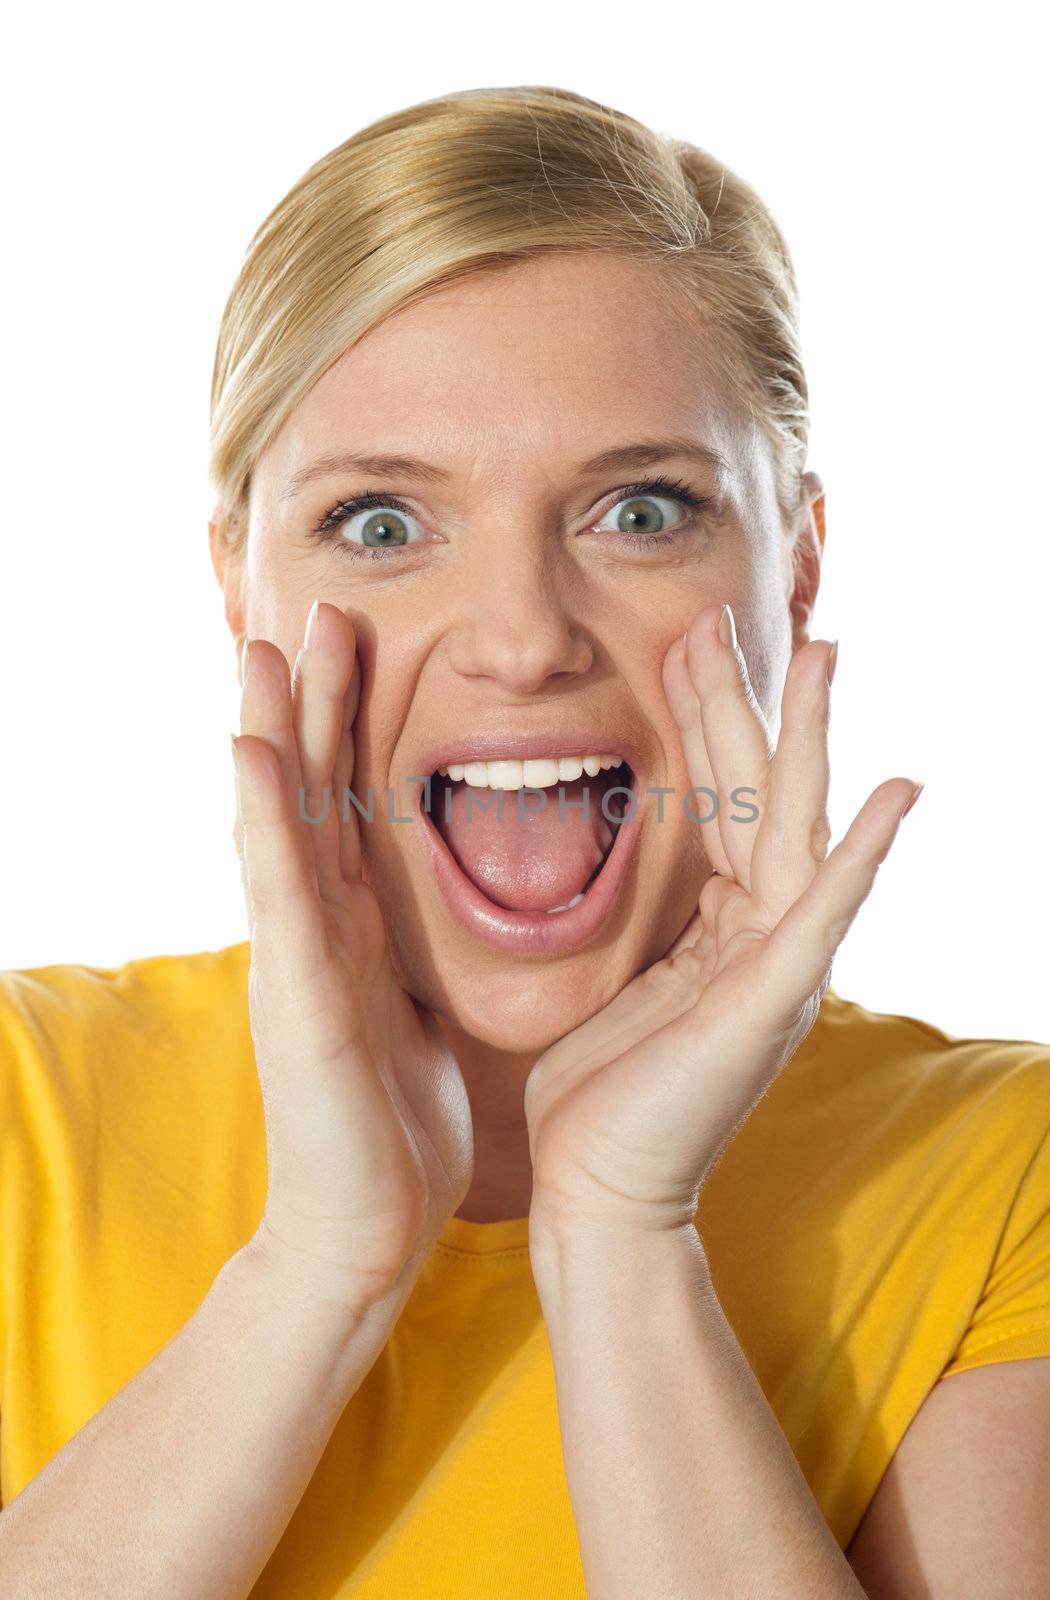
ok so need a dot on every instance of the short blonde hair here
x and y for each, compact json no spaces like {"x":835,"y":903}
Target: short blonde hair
{"x":478,"y":180}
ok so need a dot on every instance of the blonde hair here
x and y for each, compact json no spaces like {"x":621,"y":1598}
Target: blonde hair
{"x":475,"y":181}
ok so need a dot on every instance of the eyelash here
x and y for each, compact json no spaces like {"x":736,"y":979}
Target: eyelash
{"x":669,"y":488}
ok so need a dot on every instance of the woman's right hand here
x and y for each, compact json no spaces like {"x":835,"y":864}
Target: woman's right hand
{"x":368,"y":1128}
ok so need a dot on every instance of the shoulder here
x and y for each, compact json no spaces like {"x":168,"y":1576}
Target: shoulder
{"x":920,"y":1073}
{"x":949,"y":1131}
{"x":881,"y":1114}
{"x":174,"y":985}
{"x":70,"y":1020}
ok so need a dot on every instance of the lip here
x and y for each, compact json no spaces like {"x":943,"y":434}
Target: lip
{"x":530,"y":932}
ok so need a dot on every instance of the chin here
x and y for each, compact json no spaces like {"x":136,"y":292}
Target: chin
{"x":518,"y":1011}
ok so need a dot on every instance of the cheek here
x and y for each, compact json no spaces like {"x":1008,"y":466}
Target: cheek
{"x":277,"y":594}
{"x":640,"y":666}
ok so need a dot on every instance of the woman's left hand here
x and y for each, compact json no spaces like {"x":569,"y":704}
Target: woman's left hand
{"x":628,"y":1113}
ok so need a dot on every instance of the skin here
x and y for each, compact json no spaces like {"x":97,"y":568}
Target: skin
{"x":518,"y":614}
{"x":620,"y":1071}
{"x":602,"y":1118}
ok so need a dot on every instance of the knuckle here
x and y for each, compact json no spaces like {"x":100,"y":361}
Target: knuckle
{"x":820,"y":837}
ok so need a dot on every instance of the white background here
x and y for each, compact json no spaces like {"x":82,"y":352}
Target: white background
{"x":901,"y":152}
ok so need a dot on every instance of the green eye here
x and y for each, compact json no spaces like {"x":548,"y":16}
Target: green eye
{"x":375,"y":521}
{"x":637,"y":516}
{"x":383,"y":528}
{"x":640,"y":513}
{"x":644,"y":515}
{"x":370,"y":522}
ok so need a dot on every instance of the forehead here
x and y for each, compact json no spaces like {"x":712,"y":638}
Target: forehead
{"x":535,"y":366}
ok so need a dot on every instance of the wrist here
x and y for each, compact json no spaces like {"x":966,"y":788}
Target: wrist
{"x":590,"y":1258}
{"x":293,"y":1324}
{"x":309,"y":1285}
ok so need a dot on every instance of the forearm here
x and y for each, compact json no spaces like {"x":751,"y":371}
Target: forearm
{"x":182,"y":1484}
{"x":681,"y":1480}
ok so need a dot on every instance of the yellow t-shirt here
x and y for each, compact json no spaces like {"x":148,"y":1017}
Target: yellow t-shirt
{"x":882,"y":1219}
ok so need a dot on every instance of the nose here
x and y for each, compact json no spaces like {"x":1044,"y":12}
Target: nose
{"x":517,"y":627}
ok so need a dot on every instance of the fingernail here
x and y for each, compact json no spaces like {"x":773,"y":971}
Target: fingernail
{"x":918,"y":790}
{"x":244,"y":661}
{"x":833,"y":660}
{"x":311,"y":628}
{"x":727,"y":627}
{"x":233,"y":746}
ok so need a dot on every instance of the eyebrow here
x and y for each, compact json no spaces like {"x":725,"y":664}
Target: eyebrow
{"x":644,"y":453}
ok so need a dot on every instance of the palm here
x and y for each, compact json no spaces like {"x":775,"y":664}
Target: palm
{"x":369,"y":1138}
{"x":415,"y":1160}
{"x":605,"y":1103}
{"x":401,"y":1040}
{"x":629,"y":1112}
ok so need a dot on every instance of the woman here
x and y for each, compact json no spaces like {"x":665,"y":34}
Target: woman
{"x":518,"y":1211}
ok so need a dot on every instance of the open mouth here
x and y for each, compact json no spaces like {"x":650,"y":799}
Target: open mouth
{"x":530,"y":853}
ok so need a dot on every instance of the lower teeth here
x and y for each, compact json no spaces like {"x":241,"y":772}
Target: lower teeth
{"x":587,"y":886}
{"x":568,"y":907}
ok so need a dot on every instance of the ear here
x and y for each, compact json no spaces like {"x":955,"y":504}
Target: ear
{"x":227,"y":559}
{"x":806,"y":554}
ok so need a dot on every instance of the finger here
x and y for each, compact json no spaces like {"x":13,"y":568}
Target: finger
{"x":798,"y":953}
{"x":320,"y":679}
{"x":715,"y":896}
{"x":685,"y":708}
{"x":735,"y":733}
{"x":266,"y":707}
{"x":288,"y":937}
{"x":345,"y":763}
{"x":691,"y":933}
{"x":649,"y":1002}
{"x":266,"y":720}
{"x":794,"y":833}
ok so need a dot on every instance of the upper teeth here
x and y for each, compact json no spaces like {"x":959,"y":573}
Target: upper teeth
{"x":540,"y":774}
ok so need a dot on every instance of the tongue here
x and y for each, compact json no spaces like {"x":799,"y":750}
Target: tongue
{"x":530,"y":862}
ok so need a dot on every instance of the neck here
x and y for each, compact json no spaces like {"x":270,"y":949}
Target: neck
{"x":501,"y":1184}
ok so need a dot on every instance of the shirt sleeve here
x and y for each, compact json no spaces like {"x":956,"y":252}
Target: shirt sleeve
{"x":1012,"y":1318}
